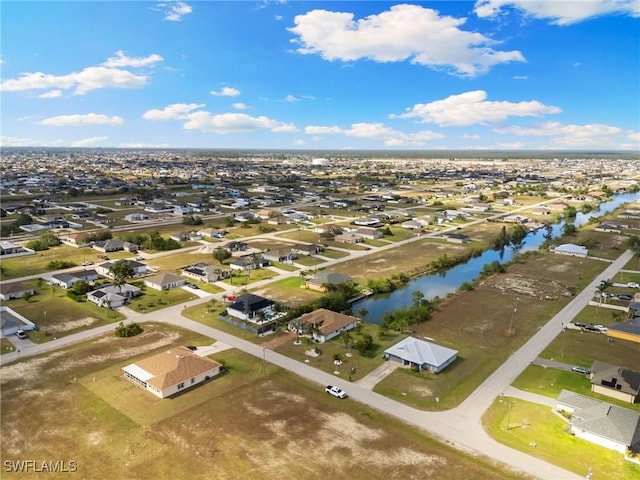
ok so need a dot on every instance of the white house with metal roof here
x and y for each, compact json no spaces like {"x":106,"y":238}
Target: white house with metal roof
{"x":413,"y":352}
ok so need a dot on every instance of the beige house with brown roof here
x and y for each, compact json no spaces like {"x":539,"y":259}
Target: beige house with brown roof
{"x":325,"y":324}
{"x":170,"y":372}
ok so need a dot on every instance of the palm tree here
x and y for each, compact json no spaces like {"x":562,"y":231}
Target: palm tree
{"x":362,"y":312}
{"x":337,"y":358}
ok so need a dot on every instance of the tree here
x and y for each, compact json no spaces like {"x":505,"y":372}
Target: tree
{"x":80,"y":287}
{"x":129,"y":330}
{"x":221,"y":254}
{"x":121,"y":271}
{"x":337,"y":358}
{"x":569,"y":229}
{"x":362,"y":312}
{"x":417,"y":296}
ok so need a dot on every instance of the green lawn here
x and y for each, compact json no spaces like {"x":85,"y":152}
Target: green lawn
{"x":331,"y":253}
{"x":5,"y":346}
{"x":550,"y":381}
{"x":152,"y":299}
{"x":521,"y":425}
{"x":58,"y":315}
{"x":354,"y":367}
{"x":240,"y":280}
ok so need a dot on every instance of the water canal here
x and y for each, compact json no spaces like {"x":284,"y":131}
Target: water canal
{"x":443,"y":283}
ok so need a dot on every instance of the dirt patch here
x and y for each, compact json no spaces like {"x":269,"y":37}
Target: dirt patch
{"x":72,"y":325}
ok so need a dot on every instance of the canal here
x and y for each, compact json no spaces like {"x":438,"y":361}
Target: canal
{"x":443,"y":283}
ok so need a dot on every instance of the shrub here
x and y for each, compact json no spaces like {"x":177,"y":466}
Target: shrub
{"x":130,"y":330}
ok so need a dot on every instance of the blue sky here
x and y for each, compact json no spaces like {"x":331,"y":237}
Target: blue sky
{"x":486,"y":74}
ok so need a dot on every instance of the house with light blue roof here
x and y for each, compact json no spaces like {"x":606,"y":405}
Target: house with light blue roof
{"x":415,"y":353}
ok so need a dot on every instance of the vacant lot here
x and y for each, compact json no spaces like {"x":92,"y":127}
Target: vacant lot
{"x":410,"y":260}
{"x":254,"y":422}
{"x":477,"y":324}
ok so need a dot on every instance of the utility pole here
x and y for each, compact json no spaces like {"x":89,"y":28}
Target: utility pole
{"x":563,"y":334}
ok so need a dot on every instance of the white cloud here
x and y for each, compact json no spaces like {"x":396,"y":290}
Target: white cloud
{"x":468,"y":136}
{"x":176,"y":111}
{"x":576,"y":136}
{"x":291,"y":99}
{"x":377,"y":131}
{"x":234,"y":123}
{"x":320,"y":130}
{"x":560,"y":12}
{"x":471,"y":108}
{"x":83,"y":120}
{"x":121,"y":60}
{"x":174,"y":11}
{"x":404,"y":32}
{"x":226,"y":92}
{"x":299,"y":141}
{"x":240,"y":106}
{"x":51,"y":94}
{"x":88,"y":141}
{"x":91,"y":78}
{"x":521,"y":77}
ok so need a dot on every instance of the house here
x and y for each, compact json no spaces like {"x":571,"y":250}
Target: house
{"x":111,"y":245}
{"x":307,"y":249}
{"x":570,"y":249}
{"x":253,"y":313}
{"x":541,"y":211}
{"x":11,"y":321}
{"x":614,"y":381}
{"x":235,"y":246}
{"x":348,"y":238}
{"x":516,"y":219}
{"x":172,"y":371}
{"x":457,"y":238}
{"x":415,"y":353}
{"x":323,"y":278}
{"x":66,"y":280}
{"x":110,"y":296}
{"x":324,"y":324}
{"x":249,"y":262}
{"x":609,"y":228}
{"x":136,"y":217}
{"x":602,"y":423}
{"x":10,"y":249}
{"x":625,"y":331}
{"x":369,"y":233}
{"x":138,"y":268}
{"x":328,"y":229}
{"x":205,"y":273}
{"x":412,"y":225}
{"x":286,"y":255}
{"x":165,"y":281}
{"x":10,"y":291}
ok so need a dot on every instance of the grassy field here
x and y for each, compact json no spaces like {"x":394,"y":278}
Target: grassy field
{"x":288,"y":291}
{"x":58,"y":315}
{"x":521,"y":425}
{"x":152,"y":299}
{"x":550,"y":382}
{"x":582,"y":348}
{"x":254,"y":422}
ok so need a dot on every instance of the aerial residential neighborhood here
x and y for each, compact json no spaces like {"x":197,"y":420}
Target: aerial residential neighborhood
{"x":313,"y":240}
{"x":202,"y":285}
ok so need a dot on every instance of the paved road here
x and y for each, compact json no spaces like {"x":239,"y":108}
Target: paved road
{"x":459,"y":427}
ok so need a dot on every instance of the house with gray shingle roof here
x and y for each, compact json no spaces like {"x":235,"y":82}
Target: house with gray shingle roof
{"x":614,"y":381}
{"x":165,"y":281}
{"x":602,"y":423}
{"x":413,"y":352}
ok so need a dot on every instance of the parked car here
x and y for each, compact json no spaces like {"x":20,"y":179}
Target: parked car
{"x":624,"y":297}
{"x":590,"y":328}
{"x":580,"y":324}
{"x":582,"y":370}
{"x":21,"y":334}
{"x":193,"y":286}
{"x":633,"y":285}
{"x":86,"y":264}
{"x":335,"y":391}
